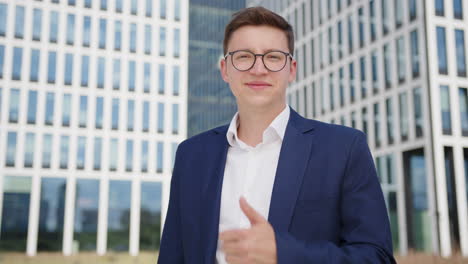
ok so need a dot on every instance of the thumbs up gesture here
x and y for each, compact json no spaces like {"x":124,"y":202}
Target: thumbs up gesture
{"x":256,"y":244}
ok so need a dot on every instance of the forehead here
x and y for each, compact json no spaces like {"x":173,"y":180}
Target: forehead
{"x":258,"y":39}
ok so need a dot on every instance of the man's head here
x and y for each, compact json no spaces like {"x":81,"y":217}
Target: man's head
{"x":258,"y":62}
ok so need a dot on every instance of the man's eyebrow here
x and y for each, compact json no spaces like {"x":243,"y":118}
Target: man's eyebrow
{"x":267,"y":50}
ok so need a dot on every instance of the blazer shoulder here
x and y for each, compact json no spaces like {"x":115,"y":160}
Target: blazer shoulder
{"x":203,"y":138}
{"x":337,"y":133}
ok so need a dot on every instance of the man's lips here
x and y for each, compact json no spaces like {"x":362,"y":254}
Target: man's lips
{"x":258,"y":85}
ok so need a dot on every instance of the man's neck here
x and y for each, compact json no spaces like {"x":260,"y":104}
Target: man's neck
{"x":253,"y":122}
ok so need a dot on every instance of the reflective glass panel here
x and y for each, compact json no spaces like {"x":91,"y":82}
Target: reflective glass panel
{"x":32,"y":107}
{"x":37,"y":24}
{"x":150,"y":215}
{"x":118,"y":220}
{"x":86,"y":214}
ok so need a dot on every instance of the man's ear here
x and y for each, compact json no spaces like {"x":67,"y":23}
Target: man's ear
{"x":223,"y":70}
{"x":292,"y":70}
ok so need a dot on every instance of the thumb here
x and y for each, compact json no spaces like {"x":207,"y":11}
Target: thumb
{"x":253,"y":216}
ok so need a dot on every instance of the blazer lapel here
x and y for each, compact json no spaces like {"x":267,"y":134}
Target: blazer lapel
{"x":292,"y":164}
{"x":211,"y":193}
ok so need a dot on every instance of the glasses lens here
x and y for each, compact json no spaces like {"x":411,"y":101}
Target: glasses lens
{"x":243,"y":60}
{"x":274,"y":60}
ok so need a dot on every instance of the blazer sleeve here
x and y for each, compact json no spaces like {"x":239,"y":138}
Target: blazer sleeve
{"x":365,"y":235}
{"x":171,"y":249}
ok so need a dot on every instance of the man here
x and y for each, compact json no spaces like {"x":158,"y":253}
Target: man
{"x":273,"y":187}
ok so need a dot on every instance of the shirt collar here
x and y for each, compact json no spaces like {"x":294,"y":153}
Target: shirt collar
{"x":277,"y":126}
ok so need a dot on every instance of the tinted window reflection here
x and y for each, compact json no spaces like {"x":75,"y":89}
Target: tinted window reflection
{"x":14,"y":228}
{"x":86,"y":214}
{"x":150,"y":215}
{"x":51,"y":214}
{"x":119,"y":215}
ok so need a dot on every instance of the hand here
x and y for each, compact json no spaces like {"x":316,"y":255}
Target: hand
{"x":256,"y":244}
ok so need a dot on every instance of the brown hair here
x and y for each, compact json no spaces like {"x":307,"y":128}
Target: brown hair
{"x":256,"y":16}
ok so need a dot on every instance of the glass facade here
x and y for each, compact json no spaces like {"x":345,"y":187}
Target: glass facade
{"x":86,"y":214}
{"x":118,"y":218}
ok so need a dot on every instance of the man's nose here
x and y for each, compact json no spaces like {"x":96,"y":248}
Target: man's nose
{"x":259,"y":67}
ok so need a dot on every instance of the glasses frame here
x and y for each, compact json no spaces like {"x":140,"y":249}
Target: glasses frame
{"x":287,"y":54}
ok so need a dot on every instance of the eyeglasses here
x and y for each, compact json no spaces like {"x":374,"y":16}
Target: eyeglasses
{"x":244,"y":60}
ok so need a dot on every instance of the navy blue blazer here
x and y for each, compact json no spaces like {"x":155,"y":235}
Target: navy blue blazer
{"x":326,"y":207}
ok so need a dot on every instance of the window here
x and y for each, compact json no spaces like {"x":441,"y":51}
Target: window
{"x":130,"y":114}
{"x":362,"y":62}
{"x":99,"y":112}
{"x":160,"y":117}
{"x":101,"y":71}
{"x":145,"y":120}
{"x":159,"y":157}
{"x":439,"y":7}
{"x":457,"y":9}
{"x":162,"y":41}
{"x":64,"y":149}
{"x":372,"y":21}
{"x":49,"y":109}
{"x":375,"y":72}
{"x":32,"y":107}
{"x":389,"y":108}
{"x":86,"y":31}
{"x":11,"y":149}
{"x":418,"y":115}
{"x":387,"y":65}
{"x":412,"y":9}
{"x":129,"y":155}
{"x":364,"y":120}
{"x":148,"y":35}
{"x":350,"y":34}
{"x":66,"y":110}
{"x":353,"y":119}
{"x":17,"y":63}
{"x":414,"y":54}
{"x":445,"y":110}
{"x":161,"y":78}
{"x":177,"y":11}
{"x":97,"y":153}
{"x":176,"y":80}
{"x":46,"y":150}
{"x":177,"y":43}
{"x":19,"y":22}
{"x":442,"y":51}
{"x":102,"y":32}
{"x":460,"y":52}
{"x":134,"y":7}
{"x":114,"y":152}
{"x":311,"y":13}
{"x":71,"y":2}
{"x":34,"y":66}
{"x":2,"y":60}
{"x":37,"y":24}
{"x":87,"y":3}
{"x":14,"y":106}
{"x":29,"y":150}
{"x":147,"y":77}
{"x":401,"y":64}
{"x":52,"y":60}
{"x":68,"y":69}
{"x":81,"y":152}
{"x":86,"y":214}
{"x":118,"y":6}
{"x":385,"y":18}
{"x":116,"y":75}
{"x":175,"y":119}
{"x":120,"y":193}
{"x":361,"y":27}
{"x":144,"y":156}
{"x":340,"y":39}
{"x":131,"y":75}
{"x":84,"y":71}
{"x":404,"y":126}
{"x":351,"y":82}
{"x":118,"y":35}
{"x":330,"y":46}
{"x":162,"y":9}
{"x":115,"y":114}
{"x":341,"y":85}
{"x":377,"y":136}
{"x":133,"y":37}
{"x":53,"y":28}
{"x":149,"y":8}
{"x":103,"y":4}
{"x":331,"y":92}
{"x":70,"y":29}
{"x":463,"y":101}
{"x":398,"y":13}
{"x":3,"y":19}
{"x":83,"y":110}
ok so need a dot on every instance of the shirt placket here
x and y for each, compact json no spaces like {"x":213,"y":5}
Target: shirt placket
{"x":248,"y":186}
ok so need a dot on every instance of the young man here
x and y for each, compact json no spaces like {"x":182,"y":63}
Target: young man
{"x":273,"y":187}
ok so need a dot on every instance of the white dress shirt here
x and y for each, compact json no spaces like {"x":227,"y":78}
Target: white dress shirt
{"x":249,"y":172}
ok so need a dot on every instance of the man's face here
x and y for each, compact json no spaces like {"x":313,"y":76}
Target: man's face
{"x":258,"y":87}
